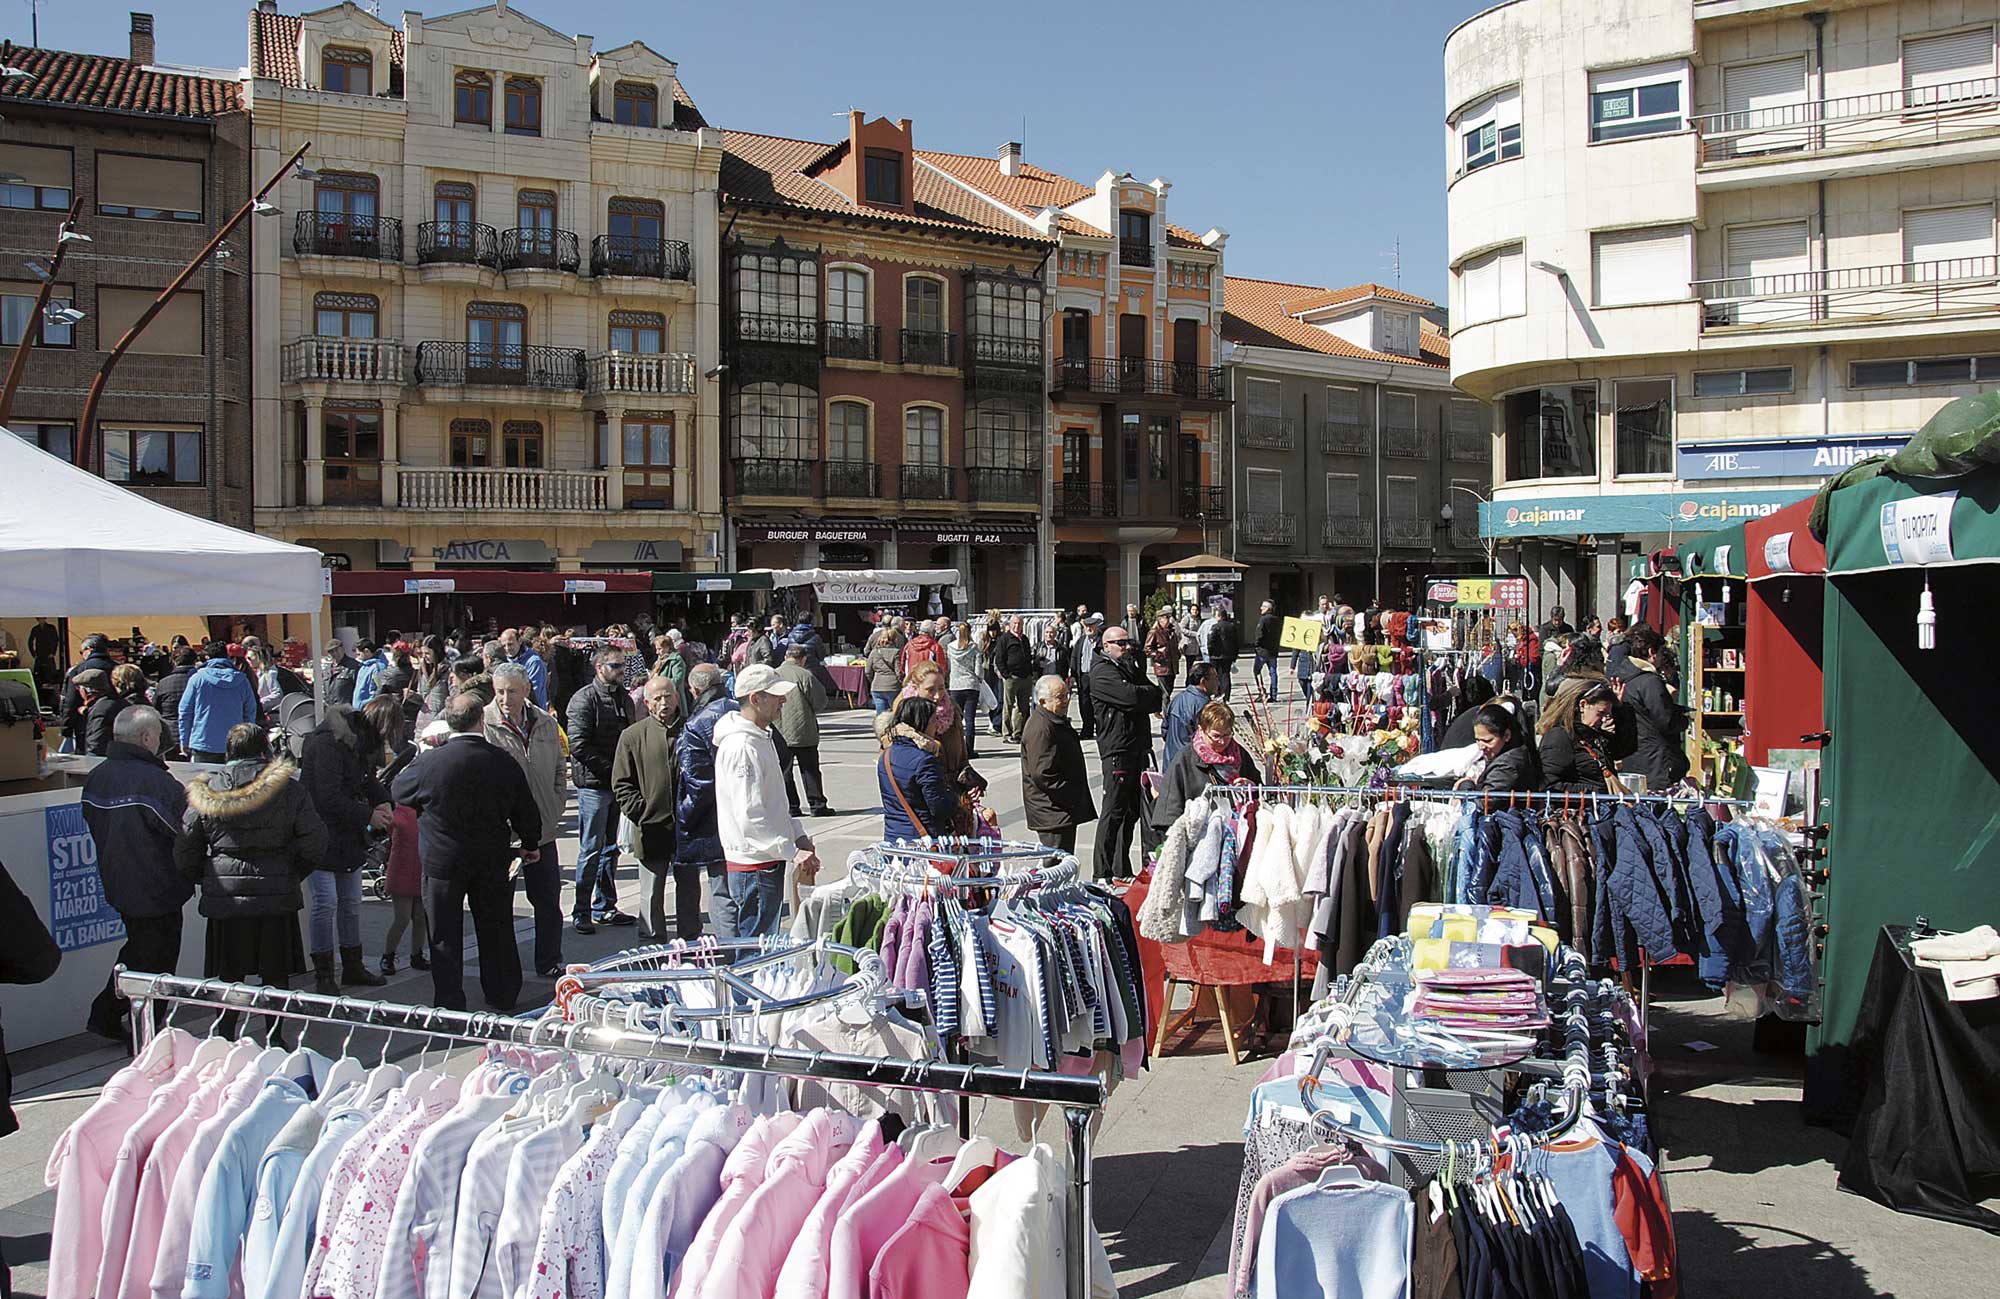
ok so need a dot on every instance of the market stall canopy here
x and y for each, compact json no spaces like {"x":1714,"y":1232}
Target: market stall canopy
{"x":1930,"y":522}
{"x":1715,"y":554}
{"x":1962,"y":437}
{"x":1202,"y":569}
{"x":1780,"y":545}
{"x":484,"y":581}
{"x":782,"y":578}
{"x":711,"y":583}
{"x":74,"y":545}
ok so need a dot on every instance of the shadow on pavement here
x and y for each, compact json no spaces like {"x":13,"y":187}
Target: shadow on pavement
{"x":1162,"y":1209}
{"x":1724,"y":1262}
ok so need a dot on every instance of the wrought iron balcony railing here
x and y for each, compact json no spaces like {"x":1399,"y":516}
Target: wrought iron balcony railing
{"x":464,"y":242}
{"x":342,"y":234}
{"x":1085,"y":500}
{"x":765,"y":476}
{"x":1270,"y":529}
{"x":930,"y":483}
{"x":849,"y":342}
{"x":530,"y":248}
{"x":1406,"y":443}
{"x":1210,"y":504}
{"x":1471,"y":446}
{"x":1005,"y":486}
{"x":1347,"y":532}
{"x":1343,"y":437}
{"x":928,"y":347}
{"x":1270,"y":432}
{"x":1141,"y":376}
{"x":653,"y":259}
{"x":1406,"y":532}
{"x":1135,"y":252}
{"x":500,"y":365}
{"x":853,"y":479}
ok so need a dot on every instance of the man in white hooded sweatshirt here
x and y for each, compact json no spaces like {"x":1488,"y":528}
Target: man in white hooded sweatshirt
{"x":753,"y":810}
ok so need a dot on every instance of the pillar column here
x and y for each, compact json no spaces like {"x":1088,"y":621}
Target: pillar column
{"x":684,"y":487}
{"x":391,"y":451}
{"x":614,"y":459}
{"x":961,"y":559}
{"x":809,"y":555}
{"x":315,"y":451}
{"x":1128,"y":581}
{"x":889,"y":552}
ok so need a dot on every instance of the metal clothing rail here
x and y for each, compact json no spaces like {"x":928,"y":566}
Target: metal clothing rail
{"x":722,"y":965}
{"x":1015,"y":866}
{"x":1511,"y":798}
{"x":1078,"y":1098}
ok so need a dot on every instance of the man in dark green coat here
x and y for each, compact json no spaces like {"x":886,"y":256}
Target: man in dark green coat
{"x":645,"y":781}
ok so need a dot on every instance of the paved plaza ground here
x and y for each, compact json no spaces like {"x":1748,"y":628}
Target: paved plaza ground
{"x":1756,"y":1209}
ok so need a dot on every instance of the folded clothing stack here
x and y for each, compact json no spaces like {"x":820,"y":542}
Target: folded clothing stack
{"x":1485,"y":998}
{"x":1969,"y":962}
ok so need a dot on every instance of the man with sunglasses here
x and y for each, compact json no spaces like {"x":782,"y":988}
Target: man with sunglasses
{"x":1123,"y":702}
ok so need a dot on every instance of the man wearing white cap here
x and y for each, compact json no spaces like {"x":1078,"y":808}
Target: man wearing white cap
{"x":753,"y":810}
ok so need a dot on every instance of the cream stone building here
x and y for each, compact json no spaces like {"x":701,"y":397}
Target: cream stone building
{"x":487,"y":309}
{"x":1706,"y":252}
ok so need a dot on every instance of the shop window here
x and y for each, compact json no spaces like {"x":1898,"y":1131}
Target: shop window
{"x":152,"y":456}
{"x":1643,"y":424}
{"x":635,"y":103}
{"x":472,"y":99}
{"x":345,"y":71}
{"x":1552,"y":433}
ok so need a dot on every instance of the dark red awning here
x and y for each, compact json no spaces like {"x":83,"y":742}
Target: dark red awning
{"x":365,"y":583}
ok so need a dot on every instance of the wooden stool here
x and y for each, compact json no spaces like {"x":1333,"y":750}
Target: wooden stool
{"x":1218,"y":997}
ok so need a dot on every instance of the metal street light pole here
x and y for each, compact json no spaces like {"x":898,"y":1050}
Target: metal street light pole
{"x":1485,"y":542}
{"x":256,"y":203}
{"x":32,"y":336}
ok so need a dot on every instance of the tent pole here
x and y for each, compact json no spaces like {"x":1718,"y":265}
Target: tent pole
{"x":313,"y":648}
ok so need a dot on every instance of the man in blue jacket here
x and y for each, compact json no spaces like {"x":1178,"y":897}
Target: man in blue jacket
{"x":217,"y":697}
{"x":516,"y":650}
{"x":698,"y":840}
{"x":1179,"y":726}
{"x":134,"y":806}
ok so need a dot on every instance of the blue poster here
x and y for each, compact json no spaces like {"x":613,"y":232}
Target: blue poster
{"x":78,"y":914}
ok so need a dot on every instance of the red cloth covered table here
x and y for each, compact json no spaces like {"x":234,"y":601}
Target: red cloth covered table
{"x":851,"y":678}
{"x":1211,"y":959}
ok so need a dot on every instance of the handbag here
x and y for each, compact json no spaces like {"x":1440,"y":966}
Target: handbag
{"x":897,"y":785}
{"x":964,"y":819}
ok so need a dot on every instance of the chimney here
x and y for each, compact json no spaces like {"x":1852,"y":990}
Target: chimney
{"x":1010,"y":158}
{"x":142,"y":38}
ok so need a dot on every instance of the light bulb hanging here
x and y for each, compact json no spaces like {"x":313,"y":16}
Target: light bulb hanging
{"x":1926,"y":618}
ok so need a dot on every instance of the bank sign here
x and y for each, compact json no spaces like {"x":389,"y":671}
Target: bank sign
{"x":1677,"y":512}
{"x":1780,"y":457}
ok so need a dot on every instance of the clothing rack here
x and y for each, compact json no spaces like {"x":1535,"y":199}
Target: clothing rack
{"x":1509,"y":798}
{"x":722,"y":963}
{"x":1576,"y":1070}
{"x":1078,"y":1098}
{"x":1016,"y":866}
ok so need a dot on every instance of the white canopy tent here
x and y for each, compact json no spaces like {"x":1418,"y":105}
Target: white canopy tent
{"x":74,"y":545}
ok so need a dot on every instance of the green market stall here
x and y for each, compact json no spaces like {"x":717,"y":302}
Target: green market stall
{"x":1714,"y":590}
{"x":1912,"y":771}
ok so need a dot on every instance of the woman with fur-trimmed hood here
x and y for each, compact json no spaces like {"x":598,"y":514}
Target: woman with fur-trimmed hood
{"x":250,"y":836}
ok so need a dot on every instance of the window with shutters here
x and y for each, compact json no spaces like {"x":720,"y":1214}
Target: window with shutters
{"x":1263,"y":491}
{"x":635,"y":103}
{"x":1630,"y":102}
{"x":1343,"y":406}
{"x":1343,"y":499}
{"x":1759,"y":96}
{"x":1643,"y":427}
{"x":38,"y":177}
{"x":1468,"y":418}
{"x":1396,"y":332}
{"x":1490,"y":130}
{"x":176,"y":331}
{"x":147,"y":188}
{"x":1631,"y":266}
{"x":1264,"y":397}
{"x":1949,"y":67}
{"x":1402,"y":520}
{"x":1948,"y":243}
{"x":1764,"y":263}
{"x":1493,"y":286}
{"x":1551,"y":433}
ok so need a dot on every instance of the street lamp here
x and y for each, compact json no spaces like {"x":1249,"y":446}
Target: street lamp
{"x":66,"y":234}
{"x":1446,"y":513}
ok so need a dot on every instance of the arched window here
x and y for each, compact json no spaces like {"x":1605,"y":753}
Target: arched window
{"x":923,"y":435}
{"x":345,"y":71}
{"x":472,"y":99}
{"x":776,"y":421}
{"x":521,"y":443}
{"x":471,"y":443}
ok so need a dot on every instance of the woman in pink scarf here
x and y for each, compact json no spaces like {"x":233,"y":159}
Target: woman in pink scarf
{"x":944,"y":737}
{"x":1212,"y":757}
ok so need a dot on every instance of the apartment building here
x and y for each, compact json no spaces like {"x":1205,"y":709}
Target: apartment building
{"x":1706,"y":252}
{"x":1347,"y":444}
{"x":1137,"y":396}
{"x":883,"y":346}
{"x":487,"y":313}
{"x":156,"y":159}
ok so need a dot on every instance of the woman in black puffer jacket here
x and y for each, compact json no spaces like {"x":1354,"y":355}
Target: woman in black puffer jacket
{"x":249,"y":837}
{"x":337,"y":767}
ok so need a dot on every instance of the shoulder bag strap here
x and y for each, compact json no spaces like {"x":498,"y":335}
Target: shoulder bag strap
{"x":896,"y":785}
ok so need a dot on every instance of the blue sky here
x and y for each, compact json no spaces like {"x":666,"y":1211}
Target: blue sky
{"x":1309,"y":129}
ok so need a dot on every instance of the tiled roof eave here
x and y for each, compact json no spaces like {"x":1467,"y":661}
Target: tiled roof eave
{"x":918,"y":225}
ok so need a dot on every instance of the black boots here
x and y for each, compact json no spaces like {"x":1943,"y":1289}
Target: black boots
{"x":354,"y":970}
{"x":324,"y":981}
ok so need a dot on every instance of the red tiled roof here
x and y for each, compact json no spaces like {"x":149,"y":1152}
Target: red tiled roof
{"x":1255,"y":312}
{"x":1353,"y":293}
{"x":274,"y":56}
{"x":120,"y":85}
{"x":775,"y":170}
{"x":1032,"y":190}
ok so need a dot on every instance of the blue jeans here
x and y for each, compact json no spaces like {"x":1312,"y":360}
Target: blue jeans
{"x":597,"y":854}
{"x":721,"y":907}
{"x":967,"y":703}
{"x":885,"y":700}
{"x":759,"y":897}
{"x":336,"y":909}
{"x":1266,"y":668}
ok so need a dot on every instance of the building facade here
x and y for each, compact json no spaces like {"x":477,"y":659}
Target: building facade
{"x":157,"y":158}
{"x":487,"y":310}
{"x":1706,"y":252}
{"x":1347,"y":442}
{"x":883,"y":347}
{"x":1135,"y":383}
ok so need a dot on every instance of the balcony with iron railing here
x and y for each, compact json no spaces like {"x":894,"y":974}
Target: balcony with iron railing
{"x":1885,"y":119}
{"x":1471,"y":446}
{"x":1135,"y":252}
{"x":1335,"y":533}
{"x":775,"y":330}
{"x":1407,"y":443}
{"x":1852,"y":295}
{"x":1141,"y":376}
{"x":531,"y":248}
{"x":929,"y":483}
{"x":343,"y":234}
{"x":518,"y":366}
{"x":1002,"y":352}
{"x":1465,"y":530}
{"x":315,"y":359}
{"x":1210,"y":504}
{"x":927,"y":347}
{"x":1344,"y":437}
{"x":1266,"y":528}
{"x":1004,"y":486}
{"x":544,"y":491}
{"x":642,"y":374}
{"x":1406,"y":532}
{"x":851,"y":342}
{"x":464,"y":243}
{"x":851,"y":479}
{"x":1269,"y":432}
{"x":1085,"y":500}
{"x":651,"y":259}
{"x":770,"y":476}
